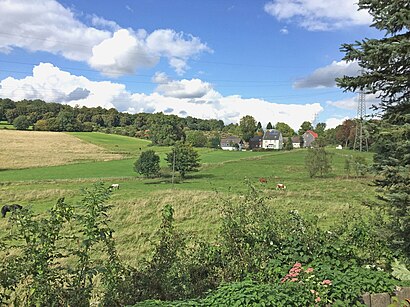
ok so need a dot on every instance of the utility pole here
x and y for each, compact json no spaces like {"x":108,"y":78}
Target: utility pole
{"x":173,"y":167}
{"x":360,"y":139}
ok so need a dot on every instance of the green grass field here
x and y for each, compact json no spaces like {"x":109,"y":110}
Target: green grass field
{"x":137,"y":204}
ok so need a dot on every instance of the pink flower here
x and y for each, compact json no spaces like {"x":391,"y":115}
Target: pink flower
{"x":297,"y":265}
{"x":312,"y":291}
{"x":294,"y":279}
{"x":327,"y":282}
{"x":317,"y":300}
{"x":309,"y":270}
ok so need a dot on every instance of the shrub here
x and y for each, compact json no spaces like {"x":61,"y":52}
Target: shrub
{"x":21,"y":122}
{"x":318,"y":162}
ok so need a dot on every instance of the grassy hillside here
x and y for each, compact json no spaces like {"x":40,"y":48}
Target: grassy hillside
{"x":136,"y":205}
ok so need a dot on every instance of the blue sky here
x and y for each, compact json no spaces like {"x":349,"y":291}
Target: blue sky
{"x":273,"y":59}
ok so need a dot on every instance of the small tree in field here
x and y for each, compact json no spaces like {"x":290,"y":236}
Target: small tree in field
{"x":318,"y":162}
{"x":147,"y":164}
{"x":183,"y":158}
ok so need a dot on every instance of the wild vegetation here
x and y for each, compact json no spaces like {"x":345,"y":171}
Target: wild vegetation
{"x":220,"y":240}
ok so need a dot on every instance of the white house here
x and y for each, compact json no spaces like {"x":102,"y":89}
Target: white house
{"x":272,"y":139}
{"x":296,"y":141}
{"x":231,"y":143}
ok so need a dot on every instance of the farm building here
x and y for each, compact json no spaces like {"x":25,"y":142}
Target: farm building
{"x":308,"y":138}
{"x":272,"y":139}
{"x":255,"y":142}
{"x":231,"y":143}
{"x":296,"y":141}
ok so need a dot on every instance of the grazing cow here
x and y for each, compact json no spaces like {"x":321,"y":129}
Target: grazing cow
{"x":263,"y":180}
{"x":115,"y":186}
{"x":280,"y":186}
{"x":10,"y":208}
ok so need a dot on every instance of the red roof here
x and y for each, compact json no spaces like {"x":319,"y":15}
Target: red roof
{"x":313,"y":133}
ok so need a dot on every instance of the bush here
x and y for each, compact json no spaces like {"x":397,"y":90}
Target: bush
{"x":21,"y":122}
{"x":318,"y":162}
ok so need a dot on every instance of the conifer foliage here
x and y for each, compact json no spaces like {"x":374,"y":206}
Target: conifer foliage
{"x":386,"y":65}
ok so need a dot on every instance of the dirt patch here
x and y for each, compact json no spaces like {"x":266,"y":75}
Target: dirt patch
{"x":26,"y":149}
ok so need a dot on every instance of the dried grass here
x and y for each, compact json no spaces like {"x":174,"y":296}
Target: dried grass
{"x":26,"y":149}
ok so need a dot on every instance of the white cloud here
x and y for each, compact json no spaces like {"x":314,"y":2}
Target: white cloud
{"x":325,"y":76}
{"x":114,"y":61}
{"x":183,"y":97}
{"x":46,"y":25}
{"x":194,"y":88}
{"x":351,"y":103}
{"x":333,"y":122}
{"x":319,"y":15}
{"x":284,"y":31}
{"x":51,"y":84}
{"x":104,"y":23}
{"x":177,"y":47}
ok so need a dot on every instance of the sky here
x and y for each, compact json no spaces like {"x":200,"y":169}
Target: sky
{"x":273,"y":59}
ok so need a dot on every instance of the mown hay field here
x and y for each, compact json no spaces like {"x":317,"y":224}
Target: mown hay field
{"x":136,"y":206}
{"x":28,"y":149}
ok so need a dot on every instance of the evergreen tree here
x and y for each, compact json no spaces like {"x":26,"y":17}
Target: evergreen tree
{"x":386,"y":66}
{"x":269,"y":126}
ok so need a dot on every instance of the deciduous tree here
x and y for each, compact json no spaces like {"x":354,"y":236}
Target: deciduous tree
{"x":183,"y":158}
{"x":147,"y":164}
{"x":248,"y":127}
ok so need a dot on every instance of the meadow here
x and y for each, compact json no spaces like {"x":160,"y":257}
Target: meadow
{"x":135,"y":214}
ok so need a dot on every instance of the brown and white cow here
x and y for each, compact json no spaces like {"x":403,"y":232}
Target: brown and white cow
{"x":280,"y":186}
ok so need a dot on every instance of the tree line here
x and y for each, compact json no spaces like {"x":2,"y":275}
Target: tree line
{"x":162,"y":129}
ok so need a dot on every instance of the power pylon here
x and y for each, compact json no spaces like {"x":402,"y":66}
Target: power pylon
{"x":360,"y":139}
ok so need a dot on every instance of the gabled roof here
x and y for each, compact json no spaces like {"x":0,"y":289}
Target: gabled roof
{"x":272,"y":134}
{"x":315,"y":135}
{"x":256,"y":138}
{"x":296,"y":139}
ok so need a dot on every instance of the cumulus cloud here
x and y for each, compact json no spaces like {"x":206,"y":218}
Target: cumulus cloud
{"x":51,"y":84}
{"x":333,"y":122}
{"x":325,"y":76}
{"x":194,"y":88}
{"x":46,"y":25}
{"x":351,"y":102}
{"x":122,"y":54}
{"x":317,"y":15}
{"x":101,"y":22}
{"x":177,"y":47}
{"x":77,"y":94}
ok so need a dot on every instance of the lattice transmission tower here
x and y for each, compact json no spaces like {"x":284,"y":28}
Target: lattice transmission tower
{"x":360,"y":139}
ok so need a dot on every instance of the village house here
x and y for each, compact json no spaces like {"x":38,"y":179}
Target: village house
{"x":231,"y":143}
{"x":308,"y":138}
{"x":255,"y":142}
{"x":272,"y":139}
{"x":296,"y":141}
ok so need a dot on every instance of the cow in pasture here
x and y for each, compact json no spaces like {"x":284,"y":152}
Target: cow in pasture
{"x":263,"y":180}
{"x":280,"y":186}
{"x":10,"y":208}
{"x":115,"y":186}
